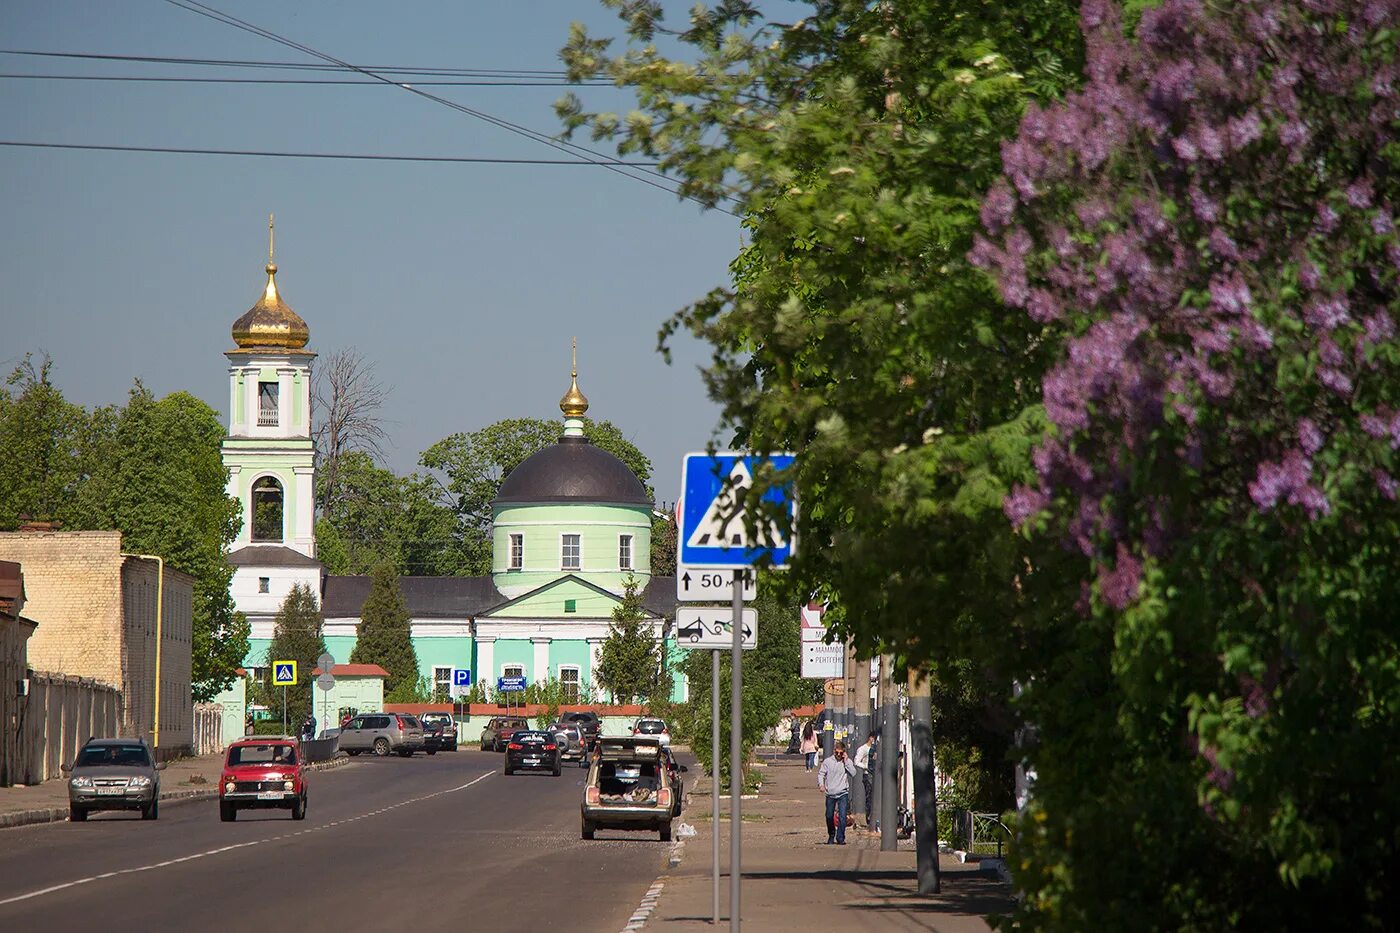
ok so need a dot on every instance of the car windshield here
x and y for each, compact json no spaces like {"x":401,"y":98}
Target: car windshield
{"x":262,"y":755}
{"x":651,"y":727}
{"x":126,"y":755}
{"x":440,"y":719}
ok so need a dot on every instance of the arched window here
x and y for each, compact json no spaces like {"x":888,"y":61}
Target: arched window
{"x":267,"y":510}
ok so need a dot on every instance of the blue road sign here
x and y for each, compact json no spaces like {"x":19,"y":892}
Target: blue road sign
{"x":510,"y":684}
{"x":284,"y":673}
{"x":461,"y":677}
{"x":713,"y":532}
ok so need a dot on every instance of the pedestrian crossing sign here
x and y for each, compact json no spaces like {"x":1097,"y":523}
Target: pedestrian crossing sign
{"x":714,"y":529}
{"x":284,"y":673}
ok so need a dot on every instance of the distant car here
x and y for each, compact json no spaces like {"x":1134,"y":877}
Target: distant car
{"x":652,"y":726}
{"x":570,"y":739}
{"x":433,"y":739}
{"x":114,"y":774}
{"x":674,"y":768}
{"x":448,"y":725}
{"x":260,"y":773}
{"x":532,"y":750}
{"x":382,"y":733}
{"x":628,"y":787}
{"x":588,"y":721}
{"x":498,"y":731}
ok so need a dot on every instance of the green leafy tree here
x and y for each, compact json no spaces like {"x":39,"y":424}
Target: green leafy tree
{"x":41,"y":440}
{"x":663,"y":546}
{"x":630,"y":660}
{"x":296,"y":635}
{"x":385,"y":636}
{"x":474,"y":466}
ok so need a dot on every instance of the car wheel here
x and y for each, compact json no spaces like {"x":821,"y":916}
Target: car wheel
{"x":432,"y":751}
{"x":77,"y":814}
{"x":557,"y":770}
{"x":665,"y":830}
{"x":483,"y":746}
{"x":228,"y":812}
{"x":405,"y":753}
{"x":151,"y":811}
{"x":381,"y":747}
{"x":589,"y":828}
{"x":507,"y":771}
{"x":299,"y":809}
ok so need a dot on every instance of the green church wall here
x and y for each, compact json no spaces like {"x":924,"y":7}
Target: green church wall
{"x":515,"y":651}
{"x":598,"y":527}
{"x":551,"y":603}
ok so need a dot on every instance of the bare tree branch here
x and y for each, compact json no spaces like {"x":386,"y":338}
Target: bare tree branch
{"x":346,"y":398}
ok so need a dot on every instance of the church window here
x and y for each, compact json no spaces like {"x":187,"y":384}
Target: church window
{"x":571,"y":605}
{"x":267,"y":510}
{"x":264,"y":584}
{"x":517,"y":552}
{"x":267,"y":404}
{"x":568,"y":681}
{"x":442,"y":684}
{"x":624,"y":552}
{"x":513,"y":670}
{"x":571,"y":556}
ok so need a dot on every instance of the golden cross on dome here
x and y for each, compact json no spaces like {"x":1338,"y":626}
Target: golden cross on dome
{"x":270,"y":241}
{"x":573,"y":370}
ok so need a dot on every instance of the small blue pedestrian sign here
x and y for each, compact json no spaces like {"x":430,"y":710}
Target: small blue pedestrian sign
{"x":284,"y":673}
{"x":510,"y":684}
{"x":713,"y":532}
{"x":461,"y":677}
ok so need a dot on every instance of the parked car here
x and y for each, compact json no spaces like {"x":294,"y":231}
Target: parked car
{"x":498,"y":731}
{"x":433,"y":738}
{"x":532,"y":750}
{"x":652,"y":726}
{"x":449,"y":728}
{"x":570,"y":739}
{"x":114,"y":774}
{"x":260,"y":773}
{"x":588,"y":721}
{"x":382,"y":733}
{"x":628,"y":787}
{"x":674,"y":768}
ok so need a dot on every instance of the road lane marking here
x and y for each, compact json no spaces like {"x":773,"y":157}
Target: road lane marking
{"x":52,"y":889}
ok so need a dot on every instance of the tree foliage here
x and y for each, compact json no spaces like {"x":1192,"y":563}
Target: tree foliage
{"x":296,"y":635}
{"x":384,"y":636}
{"x":630,"y":660}
{"x":151,"y":470}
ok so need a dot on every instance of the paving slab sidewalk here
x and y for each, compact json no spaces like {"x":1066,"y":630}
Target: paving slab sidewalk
{"x":183,"y":779}
{"x":793,"y":881}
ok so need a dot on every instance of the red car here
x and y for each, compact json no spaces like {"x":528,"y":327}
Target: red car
{"x":262,"y":772}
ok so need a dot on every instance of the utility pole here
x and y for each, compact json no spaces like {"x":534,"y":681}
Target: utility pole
{"x":889,"y":755}
{"x":925,"y":796}
{"x":857,"y":675}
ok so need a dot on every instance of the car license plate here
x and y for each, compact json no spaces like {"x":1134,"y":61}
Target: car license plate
{"x":532,"y":759}
{"x":270,"y":795}
{"x":110,"y":791}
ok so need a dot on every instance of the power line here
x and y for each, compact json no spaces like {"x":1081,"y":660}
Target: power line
{"x":312,"y":155}
{"x":335,"y":81}
{"x":584,"y":154}
{"x":299,"y":66}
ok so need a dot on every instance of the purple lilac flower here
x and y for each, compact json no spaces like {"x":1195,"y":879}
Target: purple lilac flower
{"x":1256,"y":698}
{"x":999,"y":207}
{"x":1309,"y":436}
{"x":1381,"y":223}
{"x":1386,"y":484}
{"x":1022,"y":503}
{"x":1119,"y":584}
{"x":1326,"y":314}
{"x":1326,"y":217}
{"x":1043,"y":307}
{"x":1335,"y":379}
{"x":1379,"y":326}
{"x":1358,"y":193}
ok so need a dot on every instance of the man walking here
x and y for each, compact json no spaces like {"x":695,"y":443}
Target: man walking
{"x":834,"y":778}
{"x":866,"y":779}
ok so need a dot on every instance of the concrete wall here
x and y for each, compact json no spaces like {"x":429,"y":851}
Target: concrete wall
{"x":14,"y":633}
{"x":61,"y":714}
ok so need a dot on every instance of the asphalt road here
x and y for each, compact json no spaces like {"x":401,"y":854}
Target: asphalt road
{"x":430,"y":843}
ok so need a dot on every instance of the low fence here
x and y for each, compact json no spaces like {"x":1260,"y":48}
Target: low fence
{"x":59,"y":715}
{"x":320,"y":749}
{"x":208,"y":728}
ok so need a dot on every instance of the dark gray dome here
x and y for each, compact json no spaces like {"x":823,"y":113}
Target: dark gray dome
{"x":573,"y":470}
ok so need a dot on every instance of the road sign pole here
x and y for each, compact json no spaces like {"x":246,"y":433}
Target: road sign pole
{"x":714,"y":770}
{"x":736,"y":749}
{"x":284,"y":709}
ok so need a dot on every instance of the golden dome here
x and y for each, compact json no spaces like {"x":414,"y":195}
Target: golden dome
{"x":270,"y":323}
{"x":574,"y":403}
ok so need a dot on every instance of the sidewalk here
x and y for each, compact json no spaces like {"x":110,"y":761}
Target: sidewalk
{"x":793,"y":881}
{"x":183,"y":779}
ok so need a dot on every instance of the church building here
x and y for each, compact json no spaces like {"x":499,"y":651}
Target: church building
{"x":571,"y":524}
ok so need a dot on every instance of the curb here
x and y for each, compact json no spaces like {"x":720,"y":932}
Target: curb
{"x":60,"y":814}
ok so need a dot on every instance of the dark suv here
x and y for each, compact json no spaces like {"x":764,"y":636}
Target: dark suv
{"x":498,"y":731}
{"x":448,"y":726}
{"x":588,"y":721}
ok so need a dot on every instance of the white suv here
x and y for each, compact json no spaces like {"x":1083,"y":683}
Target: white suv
{"x":653,"y":727}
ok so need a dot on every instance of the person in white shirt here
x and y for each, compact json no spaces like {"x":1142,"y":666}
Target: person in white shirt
{"x":867,"y":780}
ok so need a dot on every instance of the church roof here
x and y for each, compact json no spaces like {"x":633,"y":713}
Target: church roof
{"x":426,"y":597}
{"x":270,"y":555}
{"x":573,"y":470}
{"x":659,"y":596}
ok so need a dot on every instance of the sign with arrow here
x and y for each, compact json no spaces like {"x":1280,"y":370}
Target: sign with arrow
{"x":698,"y":627}
{"x":714,"y":530}
{"x":694,"y":585}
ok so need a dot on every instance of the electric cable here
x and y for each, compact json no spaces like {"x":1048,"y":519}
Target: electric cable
{"x":310,"y":155}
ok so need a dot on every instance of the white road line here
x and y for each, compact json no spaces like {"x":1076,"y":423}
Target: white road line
{"x":241,"y":845}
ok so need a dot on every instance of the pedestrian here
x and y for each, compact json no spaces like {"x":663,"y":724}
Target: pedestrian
{"x":308,"y":728}
{"x":834,"y":778}
{"x":867,"y":780}
{"x":809,"y":745}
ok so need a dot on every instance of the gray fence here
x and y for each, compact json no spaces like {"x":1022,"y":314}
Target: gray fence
{"x":320,"y":749}
{"x":59,"y":715}
{"x":208,"y":729}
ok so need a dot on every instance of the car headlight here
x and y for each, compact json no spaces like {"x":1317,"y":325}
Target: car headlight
{"x":139,"y":782}
{"x":289,"y":785}
{"x":81,"y":782}
{"x":229,"y":787}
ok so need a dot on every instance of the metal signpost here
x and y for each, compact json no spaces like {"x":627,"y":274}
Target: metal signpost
{"x":713,"y":533}
{"x":325,"y":663}
{"x":284,"y":674}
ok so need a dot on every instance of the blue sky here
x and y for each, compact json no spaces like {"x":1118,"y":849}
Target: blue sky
{"x":463,"y":283}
